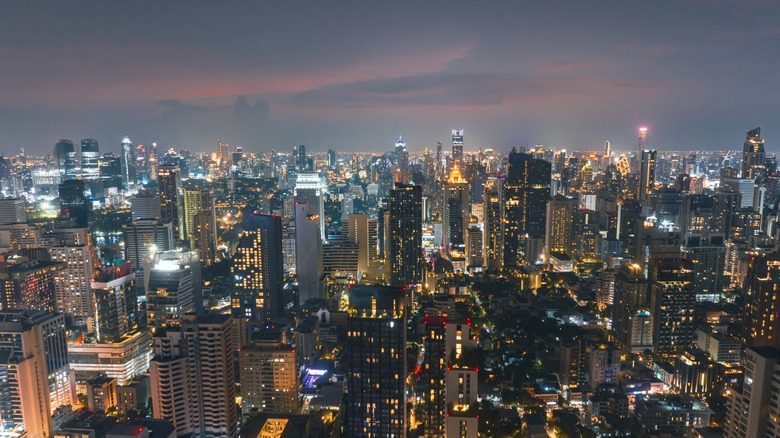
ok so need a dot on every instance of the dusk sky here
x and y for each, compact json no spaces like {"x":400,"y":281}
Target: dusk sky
{"x":353,"y":75}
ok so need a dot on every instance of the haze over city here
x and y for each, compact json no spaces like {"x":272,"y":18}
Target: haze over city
{"x":356,"y":75}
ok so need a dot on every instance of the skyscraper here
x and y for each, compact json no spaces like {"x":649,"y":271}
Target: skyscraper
{"x":34,"y":347}
{"x":456,"y":211}
{"x":90,"y":159}
{"x":646,"y":175}
{"x":761,"y":310}
{"x":12,"y":211}
{"x":74,"y":295}
{"x":405,"y":229}
{"x":128,"y":162}
{"x":169,"y":183}
{"x":145,"y":205}
{"x":195,"y":201}
{"x":310,"y":190}
{"x":65,"y":159}
{"x":753,"y":155}
{"x":402,"y":171}
{"x":257,"y":269}
{"x":526,"y":192}
{"x":560,"y":218}
{"x":308,"y":253}
{"x":29,"y":285}
{"x":269,"y":375}
{"x":752,"y":411}
{"x":170,"y":294}
{"x":193,"y":377}
{"x":376,"y":362}
{"x":74,"y":204}
{"x":493,"y":241}
{"x":116,"y":305}
{"x":143,"y":239}
{"x":457,"y":146}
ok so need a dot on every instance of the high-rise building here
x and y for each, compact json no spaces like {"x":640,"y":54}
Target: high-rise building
{"x":193,"y":377}
{"x":526,"y":192}
{"x":169,"y":184}
{"x":204,"y":235}
{"x":376,"y":362}
{"x":116,"y":304}
{"x":65,"y":158}
{"x":170,"y":294}
{"x":143,"y":239}
{"x":560,"y":218}
{"x":35,"y":336}
{"x":73,"y":292}
{"x":128,"y":163}
{"x":632,"y":319}
{"x":310,"y":190}
{"x":405,"y":230}
{"x":90,"y":159}
{"x":331,"y":158}
{"x":74,"y":204}
{"x":456,"y":212}
{"x":646,"y":175}
{"x":308,"y":253}
{"x":494,"y":225}
{"x":761,"y":310}
{"x":752,"y":411}
{"x":12,"y":211}
{"x":29,"y":285}
{"x":363,"y":231}
{"x":269,"y":375}
{"x":673,"y":300}
{"x":258,"y":269}
{"x":145,"y":205}
{"x":457,"y":146}
{"x":753,"y":155}
{"x":403,"y":173}
{"x":195,"y":201}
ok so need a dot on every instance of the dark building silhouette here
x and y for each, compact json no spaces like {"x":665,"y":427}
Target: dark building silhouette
{"x":376,"y":357}
{"x":258,"y":269}
{"x":526,"y":192}
{"x":74,"y":204}
{"x":405,"y":226}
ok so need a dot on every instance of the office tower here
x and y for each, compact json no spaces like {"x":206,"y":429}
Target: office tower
{"x":143,"y":239}
{"x":193,"y":379}
{"x":128,"y":163}
{"x":405,"y":231}
{"x":195,"y":200}
{"x":204,"y":235}
{"x":494,"y":225}
{"x":65,"y":158}
{"x":363,"y":231}
{"x":706,"y":257}
{"x":12,"y":211}
{"x":632,"y":318}
{"x":673,"y":299}
{"x":560,"y":218}
{"x":72,"y":288}
{"x":457,"y":146}
{"x":474,"y":245}
{"x":308,"y":253}
{"x":257,"y":269}
{"x":301,"y":161}
{"x":29,"y":285}
{"x":169,"y":184}
{"x":310,"y":191}
{"x":116,"y":304}
{"x":90,"y":159}
{"x":449,"y":383}
{"x":223,"y":154}
{"x":170,"y":294}
{"x":646,"y":176}
{"x":37,"y":335}
{"x":145,"y":205}
{"x":456,"y":212}
{"x":376,"y":361}
{"x":761,"y":310}
{"x":753,"y":155}
{"x":402,"y":171}
{"x":339,"y":259}
{"x":752,"y":410}
{"x":526,"y":192}
{"x":74,"y":204}
{"x":269,"y":375}
{"x":111,"y":170}
{"x":331,"y":158}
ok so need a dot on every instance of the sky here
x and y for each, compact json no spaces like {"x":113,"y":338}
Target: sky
{"x":354,"y":75}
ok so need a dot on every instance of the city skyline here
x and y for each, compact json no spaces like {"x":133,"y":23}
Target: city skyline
{"x":360,"y":75}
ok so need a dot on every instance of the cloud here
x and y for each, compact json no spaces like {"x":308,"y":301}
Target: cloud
{"x":176,"y":108}
{"x":246,"y":114}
